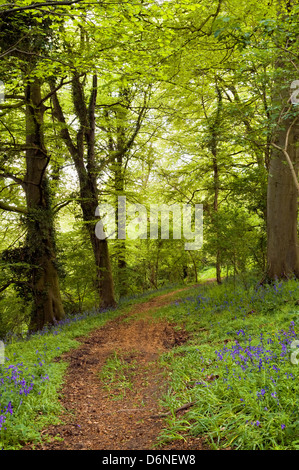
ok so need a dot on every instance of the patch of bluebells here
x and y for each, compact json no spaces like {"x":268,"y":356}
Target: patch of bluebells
{"x":252,"y":352}
{"x":258,"y":368}
{"x":16,"y":383}
{"x":241,"y":301}
{"x":69,"y":320}
{"x":250,"y":376}
{"x":265,"y":352}
{"x":4,"y":412}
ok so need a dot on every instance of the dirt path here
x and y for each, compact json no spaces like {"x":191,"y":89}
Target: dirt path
{"x":113,"y":385}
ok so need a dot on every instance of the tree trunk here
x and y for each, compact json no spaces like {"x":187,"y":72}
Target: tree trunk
{"x":282,"y":210}
{"x":104,"y":273}
{"x":47,"y":303}
{"x":215,"y":130}
{"x":120,"y":142}
{"x":104,"y":280}
{"x":117,"y":148}
{"x":120,"y":243}
{"x":282,"y":192}
{"x":87,"y":174}
{"x":89,"y":191}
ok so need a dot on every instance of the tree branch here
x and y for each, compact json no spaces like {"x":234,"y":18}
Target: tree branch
{"x":15,"y":178}
{"x":9,"y":208}
{"x":64,"y":132}
{"x":285,"y":152}
{"x":37,"y":5}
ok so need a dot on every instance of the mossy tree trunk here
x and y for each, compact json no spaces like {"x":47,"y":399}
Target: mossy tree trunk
{"x":40,"y":241}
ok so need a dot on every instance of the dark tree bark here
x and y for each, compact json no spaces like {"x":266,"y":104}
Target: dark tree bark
{"x":117,"y":149}
{"x":40,"y":241}
{"x":42,"y":286}
{"x":282,"y":207}
{"x":282,"y":191}
{"x":120,"y":243}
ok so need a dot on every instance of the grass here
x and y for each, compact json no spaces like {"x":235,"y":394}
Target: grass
{"x":207,"y":273}
{"x":237,"y":367}
{"x":117,"y":373}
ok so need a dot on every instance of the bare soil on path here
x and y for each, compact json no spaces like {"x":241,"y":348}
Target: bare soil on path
{"x":119,"y":411}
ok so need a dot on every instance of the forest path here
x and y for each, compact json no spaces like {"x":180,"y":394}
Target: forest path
{"x":114,"y":384}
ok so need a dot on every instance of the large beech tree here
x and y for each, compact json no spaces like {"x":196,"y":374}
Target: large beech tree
{"x":38,"y":251}
{"x":40,"y":240}
{"x":83,"y":155}
{"x":282,"y":193}
{"x":282,"y":198}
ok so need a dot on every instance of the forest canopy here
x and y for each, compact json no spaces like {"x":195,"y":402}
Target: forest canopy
{"x":186,"y":103}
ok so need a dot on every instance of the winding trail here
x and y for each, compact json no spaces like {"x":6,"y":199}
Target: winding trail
{"x":117,"y":408}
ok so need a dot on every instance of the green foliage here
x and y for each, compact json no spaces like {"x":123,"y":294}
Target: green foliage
{"x":14,"y":314}
{"x":154,"y":264}
{"x":78,"y":276}
{"x":234,"y":232}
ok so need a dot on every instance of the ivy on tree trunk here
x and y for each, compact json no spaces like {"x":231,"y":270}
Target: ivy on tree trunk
{"x":40,"y":240}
